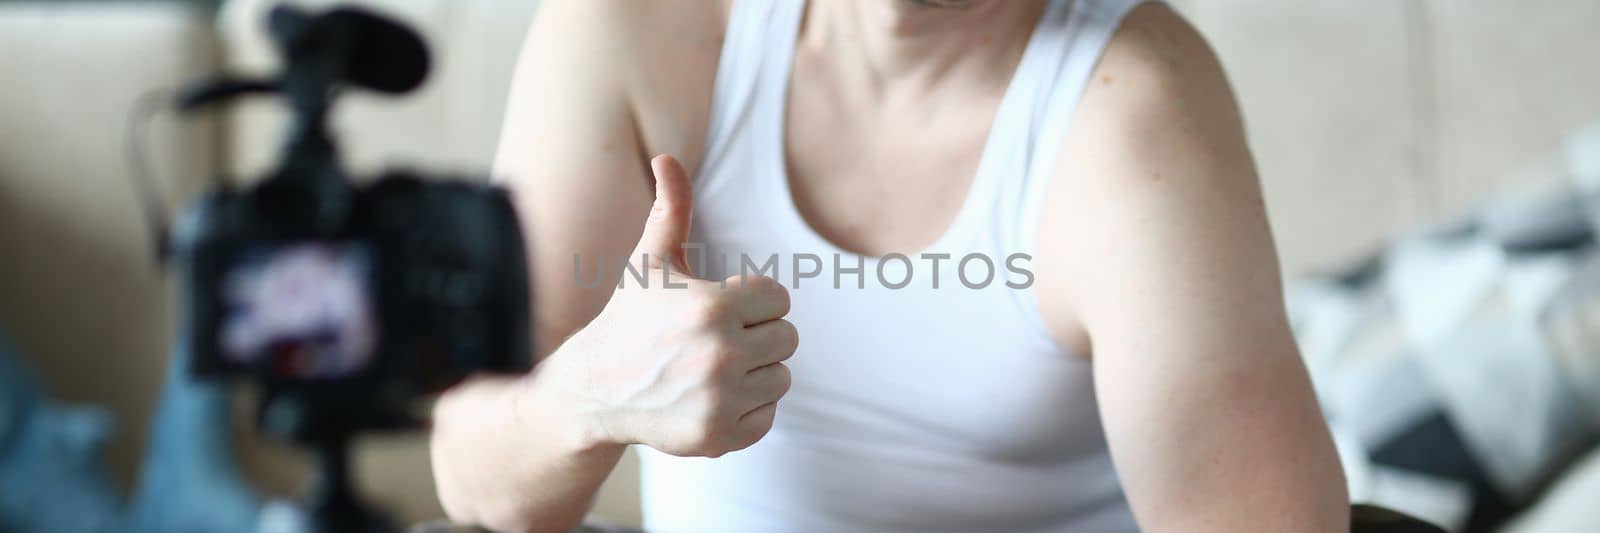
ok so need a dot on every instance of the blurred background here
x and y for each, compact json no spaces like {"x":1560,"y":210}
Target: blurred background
{"x":1384,"y":130}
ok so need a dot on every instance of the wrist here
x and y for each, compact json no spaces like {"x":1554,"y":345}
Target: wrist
{"x":551,"y":400}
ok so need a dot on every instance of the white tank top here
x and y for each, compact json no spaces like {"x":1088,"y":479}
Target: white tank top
{"x":913,"y":408}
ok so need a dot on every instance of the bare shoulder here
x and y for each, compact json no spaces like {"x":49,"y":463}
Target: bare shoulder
{"x":1160,"y":83}
{"x":1154,"y":176}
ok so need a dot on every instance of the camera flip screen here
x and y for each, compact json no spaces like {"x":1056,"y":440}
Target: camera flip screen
{"x":300,"y":310}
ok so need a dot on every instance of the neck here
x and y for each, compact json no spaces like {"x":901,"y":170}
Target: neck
{"x":907,"y":39}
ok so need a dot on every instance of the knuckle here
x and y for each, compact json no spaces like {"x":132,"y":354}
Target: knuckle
{"x":790,"y":335}
{"x":704,"y":366}
{"x":753,"y":435}
{"x":761,"y":430}
{"x":760,"y":283}
{"x":718,"y":358}
{"x":771,"y":289}
{"x":785,"y":378}
{"x":727,"y":349}
{"x":709,"y":403}
{"x":703,"y":437}
{"x":744,"y":443}
{"x":709,"y":308}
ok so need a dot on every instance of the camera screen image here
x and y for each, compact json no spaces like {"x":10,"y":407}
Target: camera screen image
{"x":300,"y":310}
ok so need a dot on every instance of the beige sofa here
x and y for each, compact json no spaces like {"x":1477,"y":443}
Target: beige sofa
{"x":1369,"y":118}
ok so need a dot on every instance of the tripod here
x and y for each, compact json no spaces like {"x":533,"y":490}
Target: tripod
{"x":332,"y":505}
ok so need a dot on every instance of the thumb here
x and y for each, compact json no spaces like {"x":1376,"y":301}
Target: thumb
{"x":668,"y":226}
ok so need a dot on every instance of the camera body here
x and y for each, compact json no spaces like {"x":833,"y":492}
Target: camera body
{"x":349,"y":312}
{"x":347,"y":303}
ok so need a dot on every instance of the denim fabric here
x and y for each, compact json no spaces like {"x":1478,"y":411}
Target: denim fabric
{"x":190,"y":480}
{"x":51,"y":477}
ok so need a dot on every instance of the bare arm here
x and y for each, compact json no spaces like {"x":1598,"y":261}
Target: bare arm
{"x":515,"y":453}
{"x":568,"y":118}
{"x":1170,"y":267}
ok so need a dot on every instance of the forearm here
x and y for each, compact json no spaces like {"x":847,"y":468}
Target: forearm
{"x":511,"y":455}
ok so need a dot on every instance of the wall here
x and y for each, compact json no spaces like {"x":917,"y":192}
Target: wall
{"x":79,"y":287}
{"x":1371,"y":117}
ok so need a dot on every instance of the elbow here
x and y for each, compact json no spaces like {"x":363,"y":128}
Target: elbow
{"x":1334,"y":496}
{"x":506,"y":516}
{"x":514,"y":521}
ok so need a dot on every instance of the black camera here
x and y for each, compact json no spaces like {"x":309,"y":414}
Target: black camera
{"x":347,"y":305}
{"x":345,"y":302}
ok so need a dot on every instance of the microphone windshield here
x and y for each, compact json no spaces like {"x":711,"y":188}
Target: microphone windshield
{"x":380,"y":53}
{"x":385,"y":55}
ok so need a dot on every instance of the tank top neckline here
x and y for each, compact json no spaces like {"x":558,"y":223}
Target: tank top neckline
{"x":1011,"y":117}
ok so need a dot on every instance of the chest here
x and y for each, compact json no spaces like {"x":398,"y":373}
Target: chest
{"x":958,"y":371}
{"x":877,"y":174}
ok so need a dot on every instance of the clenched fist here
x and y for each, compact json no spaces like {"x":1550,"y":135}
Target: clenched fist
{"x":691,"y":369}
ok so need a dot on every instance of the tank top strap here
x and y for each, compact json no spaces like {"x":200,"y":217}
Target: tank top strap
{"x":1075,"y":40}
{"x":750,"y":61}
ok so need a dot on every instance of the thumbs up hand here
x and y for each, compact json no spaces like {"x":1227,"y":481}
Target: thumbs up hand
{"x":691,"y":369}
